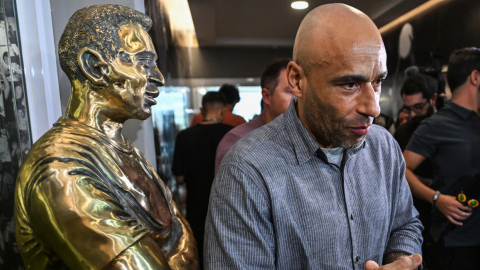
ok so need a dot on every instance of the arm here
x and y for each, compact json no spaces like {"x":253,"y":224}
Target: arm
{"x":144,"y":254}
{"x":239,"y":233}
{"x":448,"y":205}
{"x":183,"y":255}
{"x":405,"y":237}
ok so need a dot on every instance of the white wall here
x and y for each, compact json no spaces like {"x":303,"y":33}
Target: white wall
{"x":37,"y":44}
{"x":139,"y":132}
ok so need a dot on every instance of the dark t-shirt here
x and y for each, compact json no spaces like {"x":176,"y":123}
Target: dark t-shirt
{"x":451,"y":140}
{"x":402,"y":135}
{"x":194,"y":158}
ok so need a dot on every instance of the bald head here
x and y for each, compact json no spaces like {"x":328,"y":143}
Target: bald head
{"x":338,"y":69}
{"x":331,"y":31}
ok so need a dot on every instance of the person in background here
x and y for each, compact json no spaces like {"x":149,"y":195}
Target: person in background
{"x":319,"y":187}
{"x":419,"y":94}
{"x":402,"y":118}
{"x":194,"y":161}
{"x":233,"y":97}
{"x":276,"y":96}
{"x":450,"y":139}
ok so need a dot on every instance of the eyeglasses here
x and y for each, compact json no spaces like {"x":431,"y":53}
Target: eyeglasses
{"x":416,"y":108}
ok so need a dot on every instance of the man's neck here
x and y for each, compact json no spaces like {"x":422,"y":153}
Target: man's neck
{"x":84,"y":107}
{"x":467,"y":98}
{"x":266,"y":115}
{"x":210,"y":118}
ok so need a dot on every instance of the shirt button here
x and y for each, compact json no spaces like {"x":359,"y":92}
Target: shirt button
{"x":357,"y":259}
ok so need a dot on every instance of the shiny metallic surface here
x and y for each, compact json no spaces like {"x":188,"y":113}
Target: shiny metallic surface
{"x":86,"y":198}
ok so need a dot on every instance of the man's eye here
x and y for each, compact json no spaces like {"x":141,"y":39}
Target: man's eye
{"x":350,"y":85}
{"x":380,"y":81}
{"x":145,"y":60}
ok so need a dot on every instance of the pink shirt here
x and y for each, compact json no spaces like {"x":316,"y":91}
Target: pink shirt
{"x":234,"y":136}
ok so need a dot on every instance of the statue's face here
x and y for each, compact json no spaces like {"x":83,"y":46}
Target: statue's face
{"x":134,"y":77}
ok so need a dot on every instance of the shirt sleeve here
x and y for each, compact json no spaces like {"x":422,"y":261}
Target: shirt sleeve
{"x":239,"y":232}
{"x":225,"y":144}
{"x":423,"y":141}
{"x":406,"y":233}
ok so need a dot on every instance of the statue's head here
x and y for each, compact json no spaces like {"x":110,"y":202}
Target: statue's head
{"x":108,"y":56}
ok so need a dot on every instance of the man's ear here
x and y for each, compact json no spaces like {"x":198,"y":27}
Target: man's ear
{"x":295,"y":74}
{"x":93,"y":67}
{"x":266,"y":95}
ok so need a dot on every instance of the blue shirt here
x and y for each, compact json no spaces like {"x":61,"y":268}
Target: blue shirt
{"x":277,"y":203}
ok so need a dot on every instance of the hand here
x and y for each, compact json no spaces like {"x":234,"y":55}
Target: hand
{"x":453,"y":209}
{"x":405,"y":263}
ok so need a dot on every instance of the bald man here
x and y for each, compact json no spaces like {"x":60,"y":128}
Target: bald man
{"x":319,"y":187}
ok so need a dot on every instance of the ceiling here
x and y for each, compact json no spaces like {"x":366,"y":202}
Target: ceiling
{"x":273,"y":23}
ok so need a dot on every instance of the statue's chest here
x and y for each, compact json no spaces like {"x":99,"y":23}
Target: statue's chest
{"x":140,"y":182}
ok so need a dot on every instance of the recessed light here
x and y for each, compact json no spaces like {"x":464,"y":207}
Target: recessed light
{"x":299,"y":5}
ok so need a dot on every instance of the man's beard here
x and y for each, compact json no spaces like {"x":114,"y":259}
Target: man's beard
{"x":419,"y":118}
{"x":326,"y":124}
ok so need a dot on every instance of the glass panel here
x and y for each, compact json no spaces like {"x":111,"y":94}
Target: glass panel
{"x":15,"y":139}
{"x":169,"y":116}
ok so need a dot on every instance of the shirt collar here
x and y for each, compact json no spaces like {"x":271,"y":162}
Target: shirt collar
{"x":461,"y":111}
{"x":305,"y":146}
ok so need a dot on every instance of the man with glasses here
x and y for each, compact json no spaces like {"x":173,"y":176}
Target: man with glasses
{"x":419,"y":94}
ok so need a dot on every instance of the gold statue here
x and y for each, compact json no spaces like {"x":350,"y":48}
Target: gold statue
{"x":86,"y":198}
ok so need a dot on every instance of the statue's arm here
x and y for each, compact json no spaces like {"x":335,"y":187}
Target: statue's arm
{"x":144,"y":254}
{"x":184,"y":255}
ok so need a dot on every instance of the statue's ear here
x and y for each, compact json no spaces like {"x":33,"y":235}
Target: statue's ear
{"x":93,"y":66}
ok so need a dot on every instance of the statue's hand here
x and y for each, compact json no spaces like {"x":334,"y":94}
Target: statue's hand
{"x":405,"y":263}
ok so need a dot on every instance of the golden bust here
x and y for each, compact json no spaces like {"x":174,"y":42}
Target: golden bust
{"x":86,"y":198}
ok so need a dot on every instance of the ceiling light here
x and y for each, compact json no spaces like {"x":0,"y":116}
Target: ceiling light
{"x":299,"y":5}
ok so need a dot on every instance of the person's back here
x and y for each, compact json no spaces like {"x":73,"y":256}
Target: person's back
{"x":194,"y":161}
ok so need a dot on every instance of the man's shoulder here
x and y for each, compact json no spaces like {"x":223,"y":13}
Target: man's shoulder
{"x":263,"y":141}
{"x":380,"y":139}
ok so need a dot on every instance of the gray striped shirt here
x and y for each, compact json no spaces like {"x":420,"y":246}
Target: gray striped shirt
{"x":277,"y":203}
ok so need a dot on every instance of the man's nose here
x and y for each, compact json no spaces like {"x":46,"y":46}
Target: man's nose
{"x":157,"y":78}
{"x":369,"y":102}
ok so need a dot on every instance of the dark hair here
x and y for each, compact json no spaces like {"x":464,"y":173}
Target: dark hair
{"x":231,"y":93}
{"x":212,"y":97}
{"x":271,"y":73}
{"x":96,"y":27}
{"x":420,"y":83}
{"x":461,"y":64}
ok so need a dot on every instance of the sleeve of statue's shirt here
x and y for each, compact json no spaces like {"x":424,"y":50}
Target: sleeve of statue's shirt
{"x":406,"y":228}
{"x":239,"y":233}
{"x":73,"y":211}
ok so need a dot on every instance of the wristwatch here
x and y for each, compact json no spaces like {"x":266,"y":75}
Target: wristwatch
{"x":435,"y":197}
